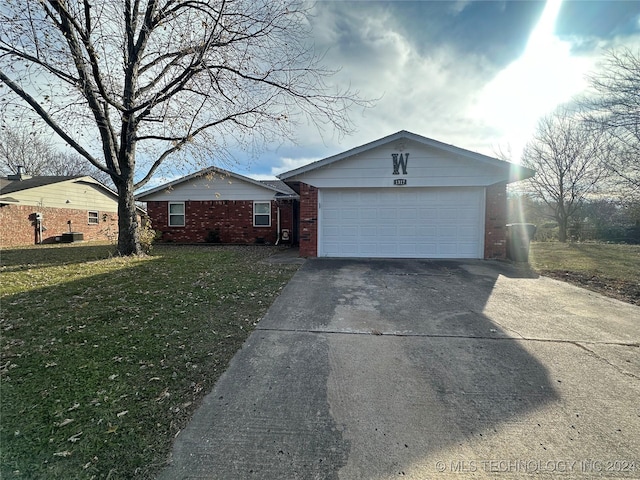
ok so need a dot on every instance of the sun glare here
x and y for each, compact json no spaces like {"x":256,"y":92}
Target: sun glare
{"x":544,"y":76}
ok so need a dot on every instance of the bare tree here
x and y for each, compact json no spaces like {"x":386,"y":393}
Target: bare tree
{"x":570,"y":161}
{"x":130,"y":83}
{"x":21,"y":147}
{"x":615,"y":107}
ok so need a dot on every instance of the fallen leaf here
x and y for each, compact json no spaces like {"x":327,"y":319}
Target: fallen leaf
{"x":65,"y":453}
{"x":113,"y":377}
{"x":74,"y":438}
{"x":122,"y":414}
{"x":112,"y":428}
{"x":64,"y":422}
{"x":72,"y":408}
{"x":164,"y":394}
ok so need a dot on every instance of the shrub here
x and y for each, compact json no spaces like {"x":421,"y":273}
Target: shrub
{"x":213,"y":236}
{"x":147,"y":236}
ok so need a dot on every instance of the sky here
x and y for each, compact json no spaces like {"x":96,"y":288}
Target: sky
{"x":475,"y":74}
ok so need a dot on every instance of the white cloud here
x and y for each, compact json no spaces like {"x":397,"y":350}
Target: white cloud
{"x":427,"y":93}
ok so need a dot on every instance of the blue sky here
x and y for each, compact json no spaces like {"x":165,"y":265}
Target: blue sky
{"x":476,"y":74}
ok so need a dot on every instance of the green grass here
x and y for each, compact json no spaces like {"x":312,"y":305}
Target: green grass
{"x":612,"y":269}
{"x":104,"y":359}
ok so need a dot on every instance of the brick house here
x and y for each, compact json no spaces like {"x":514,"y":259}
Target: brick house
{"x":218,"y":206}
{"x":404,"y":195}
{"x":46,"y":209}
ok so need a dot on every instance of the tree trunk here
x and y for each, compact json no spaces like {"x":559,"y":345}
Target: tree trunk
{"x":128,"y":225}
{"x":562,"y":231}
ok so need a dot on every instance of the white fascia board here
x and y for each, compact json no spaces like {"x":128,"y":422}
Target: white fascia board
{"x":203,"y":172}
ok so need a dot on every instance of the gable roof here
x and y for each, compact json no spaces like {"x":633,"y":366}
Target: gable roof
{"x":517,"y":172}
{"x":10,"y":186}
{"x":273,"y":185}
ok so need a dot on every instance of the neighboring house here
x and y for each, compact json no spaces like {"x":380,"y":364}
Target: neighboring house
{"x":46,"y":209}
{"x":404,"y":195}
{"x":218,"y":206}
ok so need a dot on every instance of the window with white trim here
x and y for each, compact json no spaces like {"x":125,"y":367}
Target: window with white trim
{"x":93,"y":218}
{"x":176,"y":214}
{"x":261,"y":214}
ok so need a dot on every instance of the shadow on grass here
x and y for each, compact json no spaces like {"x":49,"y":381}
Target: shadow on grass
{"x":51,"y":255}
{"x":99,"y":373}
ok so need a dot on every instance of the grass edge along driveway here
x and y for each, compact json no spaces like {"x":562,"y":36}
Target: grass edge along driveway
{"x":105,"y":359}
{"x":609,"y":269}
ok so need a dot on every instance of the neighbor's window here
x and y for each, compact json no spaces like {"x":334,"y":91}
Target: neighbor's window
{"x":261,"y":214}
{"x":93,"y":218}
{"x":176,"y":214}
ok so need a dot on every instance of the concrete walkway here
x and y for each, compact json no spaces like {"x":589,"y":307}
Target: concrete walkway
{"x":422,"y":369}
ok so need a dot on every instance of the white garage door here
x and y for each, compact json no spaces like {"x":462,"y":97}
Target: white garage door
{"x":401,"y":222}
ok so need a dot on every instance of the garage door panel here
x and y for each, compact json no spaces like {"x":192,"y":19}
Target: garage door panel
{"x":467,"y":233}
{"x":368,"y":214}
{"x":405,"y":222}
{"x":428,"y":232}
{"x":348,"y":233}
{"x":387,"y":231}
{"x":388,"y":249}
{"x":387,"y":213}
{"x":406,"y":231}
{"x":408,"y":214}
{"x":332,"y":231}
{"x":349,"y":214}
{"x":331,"y":214}
{"x":368,"y":231}
{"x":467,"y":249}
{"x":467,"y":214}
{"x":428,"y":213}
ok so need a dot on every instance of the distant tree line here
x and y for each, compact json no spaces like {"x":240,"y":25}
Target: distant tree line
{"x":587,"y":159}
{"x":38,"y":155}
{"x":600,"y":219}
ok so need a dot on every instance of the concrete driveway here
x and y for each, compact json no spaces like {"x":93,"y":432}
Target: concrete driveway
{"x":380,"y":369}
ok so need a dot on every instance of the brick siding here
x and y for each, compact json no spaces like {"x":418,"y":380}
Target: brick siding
{"x":308,"y":221}
{"x":230,"y":220}
{"x":495,"y":230}
{"x":18,"y":226}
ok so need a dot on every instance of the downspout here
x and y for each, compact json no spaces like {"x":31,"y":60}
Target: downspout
{"x":278,"y":222}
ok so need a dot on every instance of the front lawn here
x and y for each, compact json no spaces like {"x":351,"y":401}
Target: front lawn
{"x":104,"y":359}
{"x":611,"y":269}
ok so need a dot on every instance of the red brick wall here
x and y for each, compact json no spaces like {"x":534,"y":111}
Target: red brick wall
{"x":495,"y":241}
{"x":18,"y":227}
{"x":308,"y":221}
{"x":232,"y":219}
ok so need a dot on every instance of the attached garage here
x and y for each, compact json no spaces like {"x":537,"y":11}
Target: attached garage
{"x":404,"y":196}
{"x":407,"y":223}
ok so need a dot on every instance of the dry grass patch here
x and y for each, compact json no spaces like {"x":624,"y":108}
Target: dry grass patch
{"x":611,"y":269}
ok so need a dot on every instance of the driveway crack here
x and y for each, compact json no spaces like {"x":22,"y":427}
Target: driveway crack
{"x":605,"y":360}
{"x":508,"y":329}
